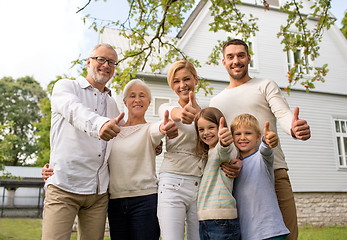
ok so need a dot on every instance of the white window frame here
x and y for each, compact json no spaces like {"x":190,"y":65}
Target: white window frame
{"x":340,"y":127}
{"x":251,"y":46}
{"x":291,"y":61}
{"x":156,"y":106}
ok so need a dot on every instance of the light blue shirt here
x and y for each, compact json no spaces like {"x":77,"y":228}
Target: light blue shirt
{"x":259,"y":214}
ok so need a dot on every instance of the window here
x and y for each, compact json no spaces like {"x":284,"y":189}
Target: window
{"x":341,"y":138}
{"x":157,"y":102}
{"x":294,"y":57}
{"x":251,"y":51}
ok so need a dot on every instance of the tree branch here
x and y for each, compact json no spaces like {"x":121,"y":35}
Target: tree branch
{"x":84,"y":6}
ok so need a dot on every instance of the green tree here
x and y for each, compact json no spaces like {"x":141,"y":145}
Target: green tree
{"x":19,"y":107}
{"x":344,"y":25}
{"x":150,"y":23}
{"x":43,"y":131}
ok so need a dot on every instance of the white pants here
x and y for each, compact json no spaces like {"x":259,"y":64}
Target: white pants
{"x":177,"y":204}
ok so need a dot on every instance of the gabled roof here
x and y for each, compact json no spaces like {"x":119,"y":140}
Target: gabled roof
{"x":191,"y":18}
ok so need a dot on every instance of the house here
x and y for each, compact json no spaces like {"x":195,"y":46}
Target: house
{"x":317,"y":167}
{"x":21,"y":193}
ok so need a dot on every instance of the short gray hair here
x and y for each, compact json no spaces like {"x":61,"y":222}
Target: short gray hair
{"x":93,"y":50}
{"x":132,"y":83}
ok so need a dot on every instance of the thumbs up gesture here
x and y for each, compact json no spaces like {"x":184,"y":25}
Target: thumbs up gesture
{"x":168,"y":127}
{"x":224,"y":134}
{"x":190,"y":110}
{"x":110,"y":129}
{"x":300,"y":129}
{"x":270,"y":138}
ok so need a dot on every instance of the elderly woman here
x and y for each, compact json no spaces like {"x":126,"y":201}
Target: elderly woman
{"x":132,"y":209}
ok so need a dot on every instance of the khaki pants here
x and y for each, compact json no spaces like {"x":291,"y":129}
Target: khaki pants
{"x":286,"y":202}
{"x":61,"y":208}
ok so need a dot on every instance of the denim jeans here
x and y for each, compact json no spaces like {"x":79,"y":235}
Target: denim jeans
{"x":219,"y":229}
{"x":134,"y":218}
{"x":178,"y":205}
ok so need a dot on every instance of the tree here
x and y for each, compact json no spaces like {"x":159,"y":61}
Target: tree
{"x":43,"y":127}
{"x":156,"y":19}
{"x":19,"y":107}
{"x":344,"y":25}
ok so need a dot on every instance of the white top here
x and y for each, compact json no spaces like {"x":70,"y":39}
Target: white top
{"x":132,"y":161}
{"x":180,"y":157}
{"x":78,"y":156}
{"x":263,"y":99}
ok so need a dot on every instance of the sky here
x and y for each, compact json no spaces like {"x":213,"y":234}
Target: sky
{"x":40,"y":38}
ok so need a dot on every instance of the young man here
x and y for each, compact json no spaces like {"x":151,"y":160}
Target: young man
{"x":263,"y":99}
{"x":84,"y":121}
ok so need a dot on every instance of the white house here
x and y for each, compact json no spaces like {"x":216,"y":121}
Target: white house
{"x":318,"y":167}
{"x":22,"y":193}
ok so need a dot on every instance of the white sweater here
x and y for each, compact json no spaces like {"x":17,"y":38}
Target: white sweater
{"x":263,"y":99}
{"x":132,"y":161}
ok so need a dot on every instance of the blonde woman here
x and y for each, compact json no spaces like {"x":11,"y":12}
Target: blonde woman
{"x":181,"y":170}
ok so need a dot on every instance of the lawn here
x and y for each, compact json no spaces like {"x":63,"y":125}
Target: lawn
{"x":30,"y":229}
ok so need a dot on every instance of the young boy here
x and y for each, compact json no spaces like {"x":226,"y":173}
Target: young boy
{"x":257,"y":206}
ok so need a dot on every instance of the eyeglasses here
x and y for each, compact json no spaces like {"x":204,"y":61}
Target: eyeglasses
{"x":102,"y":60}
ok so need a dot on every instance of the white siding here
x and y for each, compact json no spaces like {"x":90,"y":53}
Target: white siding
{"x":314,"y":164}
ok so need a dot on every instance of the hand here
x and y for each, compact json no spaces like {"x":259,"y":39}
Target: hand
{"x":270,"y":138}
{"x":110,"y":129}
{"x":46,"y":172}
{"x":168,"y":127}
{"x":233,"y":168}
{"x":224,"y":135}
{"x":159,"y":148}
{"x":190,"y":110}
{"x":300,"y":129}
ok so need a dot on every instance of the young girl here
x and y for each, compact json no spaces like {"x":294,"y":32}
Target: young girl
{"x":216,"y":205}
{"x":181,"y":170}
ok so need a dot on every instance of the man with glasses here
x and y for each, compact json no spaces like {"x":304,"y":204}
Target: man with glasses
{"x":85,"y":119}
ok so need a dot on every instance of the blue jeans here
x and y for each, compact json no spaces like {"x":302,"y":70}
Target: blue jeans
{"x":134,"y":218}
{"x":219,"y":229}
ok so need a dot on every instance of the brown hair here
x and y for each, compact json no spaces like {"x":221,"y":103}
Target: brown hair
{"x":246,"y":120}
{"x":178,"y":66}
{"x":235,"y":42}
{"x":211,"y":114}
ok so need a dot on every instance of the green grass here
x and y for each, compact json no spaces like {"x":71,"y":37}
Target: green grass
{"x":30,"y":229}
{"x":24,"y":229}
{"x":323,"y":233}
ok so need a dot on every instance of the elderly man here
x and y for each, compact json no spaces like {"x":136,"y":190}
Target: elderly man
{"x":84,"y":122}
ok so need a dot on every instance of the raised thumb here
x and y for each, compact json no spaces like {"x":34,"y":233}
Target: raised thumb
{"x":221,"y":123}
{"x":296,"y":114}
{"x":120,"y":117}
{"x":166,"y":117}
{"x":191,"y":98}
{"x":266,"y":129}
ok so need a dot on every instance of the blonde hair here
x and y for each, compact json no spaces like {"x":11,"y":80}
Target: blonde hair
{"x":213,"y":115}
{"x":178,"y":66}
{"x":246,"y":120}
